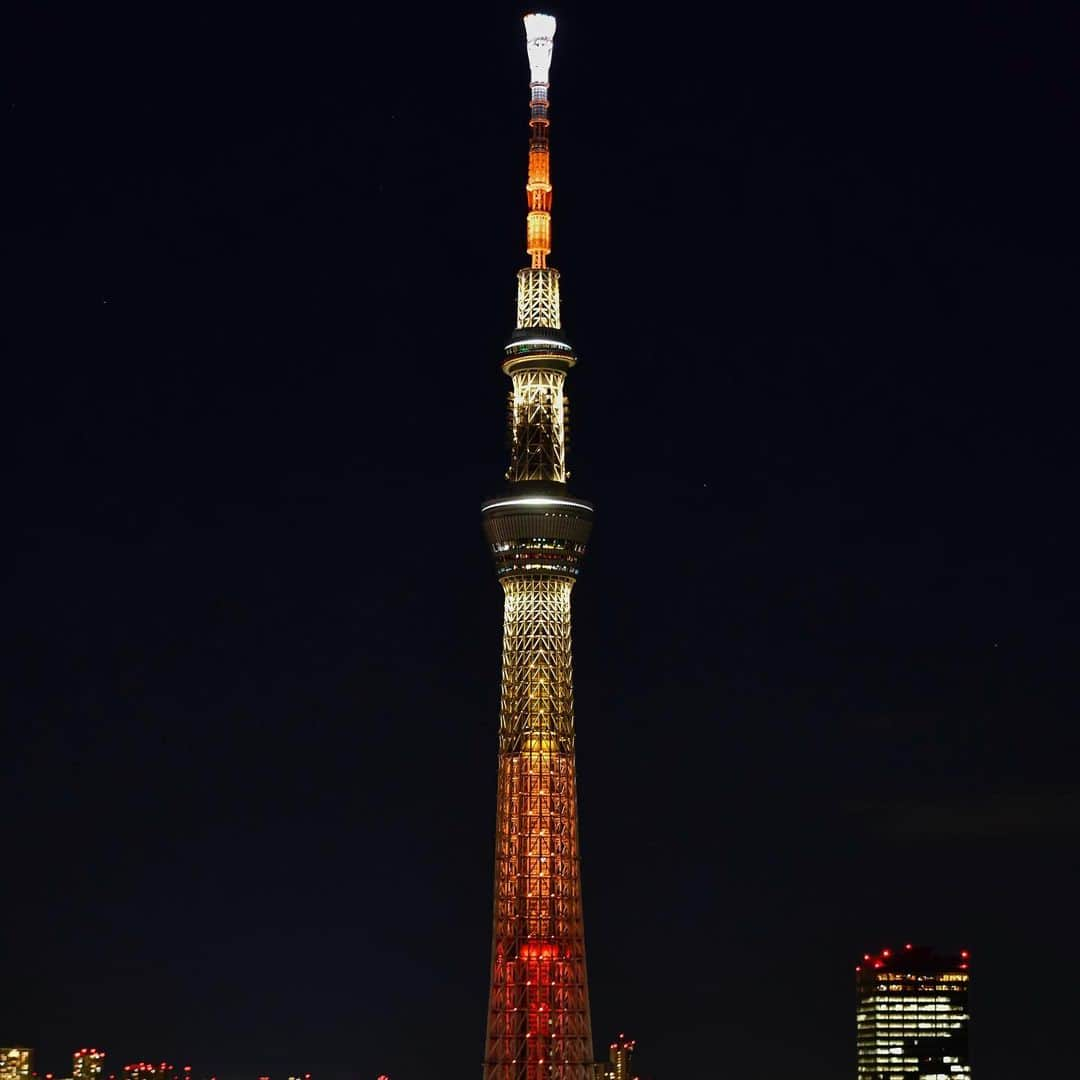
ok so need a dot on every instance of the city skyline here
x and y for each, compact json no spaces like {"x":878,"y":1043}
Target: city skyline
{"x":820,"y":270}
{"x":87,"y":1064}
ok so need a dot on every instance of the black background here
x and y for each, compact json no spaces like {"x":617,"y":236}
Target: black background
{"x":820,"y":265}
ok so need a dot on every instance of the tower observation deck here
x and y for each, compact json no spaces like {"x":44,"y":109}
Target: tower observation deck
{"x":538,"y":1016}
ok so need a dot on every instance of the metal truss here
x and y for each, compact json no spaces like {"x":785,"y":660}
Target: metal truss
{"x":538,"y":426}
{"x":538,"y":298}
{"x":538,"y":1020}
{"x":537,"y":677}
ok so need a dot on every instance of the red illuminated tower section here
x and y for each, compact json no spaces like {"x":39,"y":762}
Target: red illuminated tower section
{"x":538,"y":1016}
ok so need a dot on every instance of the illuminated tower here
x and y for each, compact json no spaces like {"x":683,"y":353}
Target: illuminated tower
{"x":912,"y":1016}
{"x":87,"y":1064}
{"x":538,"y":1015}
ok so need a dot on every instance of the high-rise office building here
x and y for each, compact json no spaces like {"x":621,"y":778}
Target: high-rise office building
{"x":538,"y":1024}
{"x":912,"y":1015}
{"x":15,"y":1062}
{"x":619,"y":1055}
{"x":87,"y":1064}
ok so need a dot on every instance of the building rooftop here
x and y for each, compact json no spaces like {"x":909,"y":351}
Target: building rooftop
{"x":915,"y":959}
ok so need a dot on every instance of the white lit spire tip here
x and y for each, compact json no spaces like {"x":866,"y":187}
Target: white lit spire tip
{"x":539,"y":42}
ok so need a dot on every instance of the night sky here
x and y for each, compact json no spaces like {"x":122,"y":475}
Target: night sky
{"x":821,"y":269}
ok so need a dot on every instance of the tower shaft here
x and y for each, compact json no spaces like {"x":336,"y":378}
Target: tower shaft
{"x":538,"y":188}
{"x":538,"y":1015}
{"x":538,"y":1024}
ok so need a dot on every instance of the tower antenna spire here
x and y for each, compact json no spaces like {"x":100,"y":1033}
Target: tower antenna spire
{"x":540,"y":43}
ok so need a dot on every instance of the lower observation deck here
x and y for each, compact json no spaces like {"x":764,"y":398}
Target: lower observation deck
{"x":538,"y":347}
{"x":537,"y":531}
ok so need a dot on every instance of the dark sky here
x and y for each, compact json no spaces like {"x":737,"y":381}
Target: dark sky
{"x":821,"y":267}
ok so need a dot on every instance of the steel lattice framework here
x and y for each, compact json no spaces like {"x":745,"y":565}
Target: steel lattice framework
{"x":538,"y":1017}
{"x":539,"y":1010}
{"x":537,"y":426}
{"x":538,"y":298}
{"x":537,"y":684}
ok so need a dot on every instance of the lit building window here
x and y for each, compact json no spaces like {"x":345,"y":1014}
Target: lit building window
{"x":918,"y":1028}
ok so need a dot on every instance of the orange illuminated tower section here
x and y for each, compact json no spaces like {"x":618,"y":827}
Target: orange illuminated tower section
{"x":538,"y":1016}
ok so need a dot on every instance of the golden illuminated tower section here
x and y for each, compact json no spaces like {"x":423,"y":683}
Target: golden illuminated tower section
{"x":538,"y":1017}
